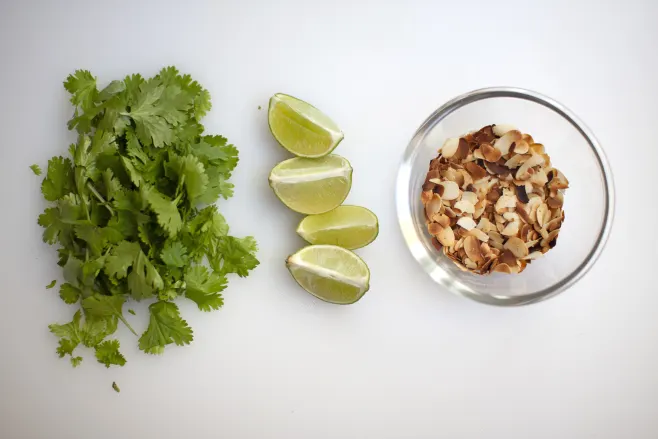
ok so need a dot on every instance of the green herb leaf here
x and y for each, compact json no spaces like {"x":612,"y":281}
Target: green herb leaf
{"x":165,"y":327}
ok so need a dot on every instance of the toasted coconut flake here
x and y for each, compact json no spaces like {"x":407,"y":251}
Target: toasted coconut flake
{"x":516,"y":246}
{"x":465,"y":206}
{"x":553,"y":224}
{"x":485,"y":225}
{"x":472,"y":248}
{"x":543,"y":215}
{"x":522,"y":194}
{"x":426,"y":197}
{"x":467,"y":180}
{"x":534,"y":255}
{"x":466,"y":222}
{"x":449,"y":148}
{"x":446,"y":237}
{"x":507,"y":257}
{"x":502,"y":129}
{"x":497,"y":168}
{"x":523,"y":213}
{"x":504,"y":143}
{"x":436,"y":244}
{"x":450,"y":190}
{"x":476,"y":171}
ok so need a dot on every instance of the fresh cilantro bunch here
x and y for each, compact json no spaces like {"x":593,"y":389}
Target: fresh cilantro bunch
{"x":127,"y":211}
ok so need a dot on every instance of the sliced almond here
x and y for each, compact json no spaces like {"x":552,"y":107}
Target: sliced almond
{"x":537,"y":148}
{"x":507,"y":257}
{"x":539,"y":178}
{"x":504,"y":202}
{"x":490,"y":153}
{"x":502,"y":129}
{"x":479,"y":234}
{"x":442,"y":219}
{"x":521,"y":146}
{"x":528,"y":138}
{"x":477,"y":154}
{"x":523,"y":213}
{"x":434,"y":228}
{"x":446,"y":237}
{"x":511,"y":216}
{"x":551,"y":236}
{"x":505,"y":142}
{"x":426,"y":197}
{"x":534,"y":160}
{"x":517,"y":160}
{"x":449,"y":148}
{"x":502,"y":268}
{"x":511,"y":229}
{"x":553,"y":224}
{"x":472,"y":248}
{"x":462,"y":150}
{"x":476,"y":171}
{"x":464,"y":206}
{"x":555,"y":202}
{"x":436,"y":244}
{"x":516,"y":246}
{"x":467,"y":180}
{"x":471,"y":197}
{"x":543,"y":215}
{"x":534,"y":255}
{"x":466,"y":222}
{"x":485,"y":225}
{"x":434,"y":206}
{"x":497,"y":168}
{"x":449,"y":191}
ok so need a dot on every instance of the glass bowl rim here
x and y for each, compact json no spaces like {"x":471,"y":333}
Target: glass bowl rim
{"x":403,"y":202}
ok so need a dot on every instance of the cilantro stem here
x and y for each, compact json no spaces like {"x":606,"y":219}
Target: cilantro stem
{"x":125,"y":322}
{"x":100,"y":197}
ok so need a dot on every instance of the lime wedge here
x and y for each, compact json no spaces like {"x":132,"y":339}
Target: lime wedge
{"x":330,"y":273}
{"x":349,"y":227}
{"x":301,"y":128}
{"x":312,"y":186}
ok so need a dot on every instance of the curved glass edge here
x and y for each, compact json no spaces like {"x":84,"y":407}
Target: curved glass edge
{"x":407,"y":224}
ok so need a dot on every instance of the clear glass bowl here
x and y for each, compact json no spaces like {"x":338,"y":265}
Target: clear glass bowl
{"x":588,"y":203}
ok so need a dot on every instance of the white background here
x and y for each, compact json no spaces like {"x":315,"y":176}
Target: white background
{"x":410,"y":360}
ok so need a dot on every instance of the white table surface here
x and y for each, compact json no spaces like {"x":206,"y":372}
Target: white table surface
{"x":408,"y":361}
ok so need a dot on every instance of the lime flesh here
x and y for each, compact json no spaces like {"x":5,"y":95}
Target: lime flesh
{"x":312,"y":186}
{"x":301,"y":128}
{"x":330,"y":273}
{"x":350,"y":227}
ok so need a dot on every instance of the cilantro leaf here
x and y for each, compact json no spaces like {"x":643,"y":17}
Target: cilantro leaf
{"x":69,"y":293}
{"x":190,"y":171}
{"x":59,"y":180}
{"x":144,"y":278}
{"x":51,"y":284}
{"x":106,"y":306}
{"x":75,"y":361}
{"x":204,"y":287}
{"x":115,"y":387}
{"x":174,"y":254}
{"x":166,"y":211}
{"x":234,"y":255}
{"x":36,"y":169}
{"x":107,"y":353}
{"x":165,"y":327}
{"x":82,"y":86}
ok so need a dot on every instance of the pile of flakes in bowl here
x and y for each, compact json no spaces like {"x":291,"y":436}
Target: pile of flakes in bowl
{"x":493,"y":201}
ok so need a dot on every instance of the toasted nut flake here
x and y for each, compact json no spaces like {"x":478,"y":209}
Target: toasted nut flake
{"x":476,"y":171}
{"x":497,"y":168}
{"x":479,"y":234}
{"x":466,"y":222}
{"x":449,"y":147}
{"x":511,"y":216}
{"x":485,"y":249}
{"x":472,"y":248}
{"x":553,"y":224}
{"x":436,"y":244}
{"x":446,"y":237}
{"x":465,"y":206}
{"x":517,"y":160}
{"x":450,"y":190}
{"x":504,"y":202}
{"x":434,"y":228}
{"x":534,"y":160}
{"x":462,"y":150}
{"x":507,"y":257}
{"x":504,"y":143}
{"x":471,"y":197}
{"x":516,"y":246}
{"x":490,"y":153}
{"x":442,"y":219}
{"x":470,"y":264}
{"x":502,"y":129}
{"x":485,"y":225}
{"x":521,"y":147}
{"x":433,"y":207}
{"x":550,"y":238}
{"x":537,"y":148}
{"x":426,"y":196}
{"x":534,"y":255}
{"x":467,"y":179}
{"x":511,"y":229}
{"x":502,"y":268}
{"x":555,"y":202}
{"x":543,"y":215}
